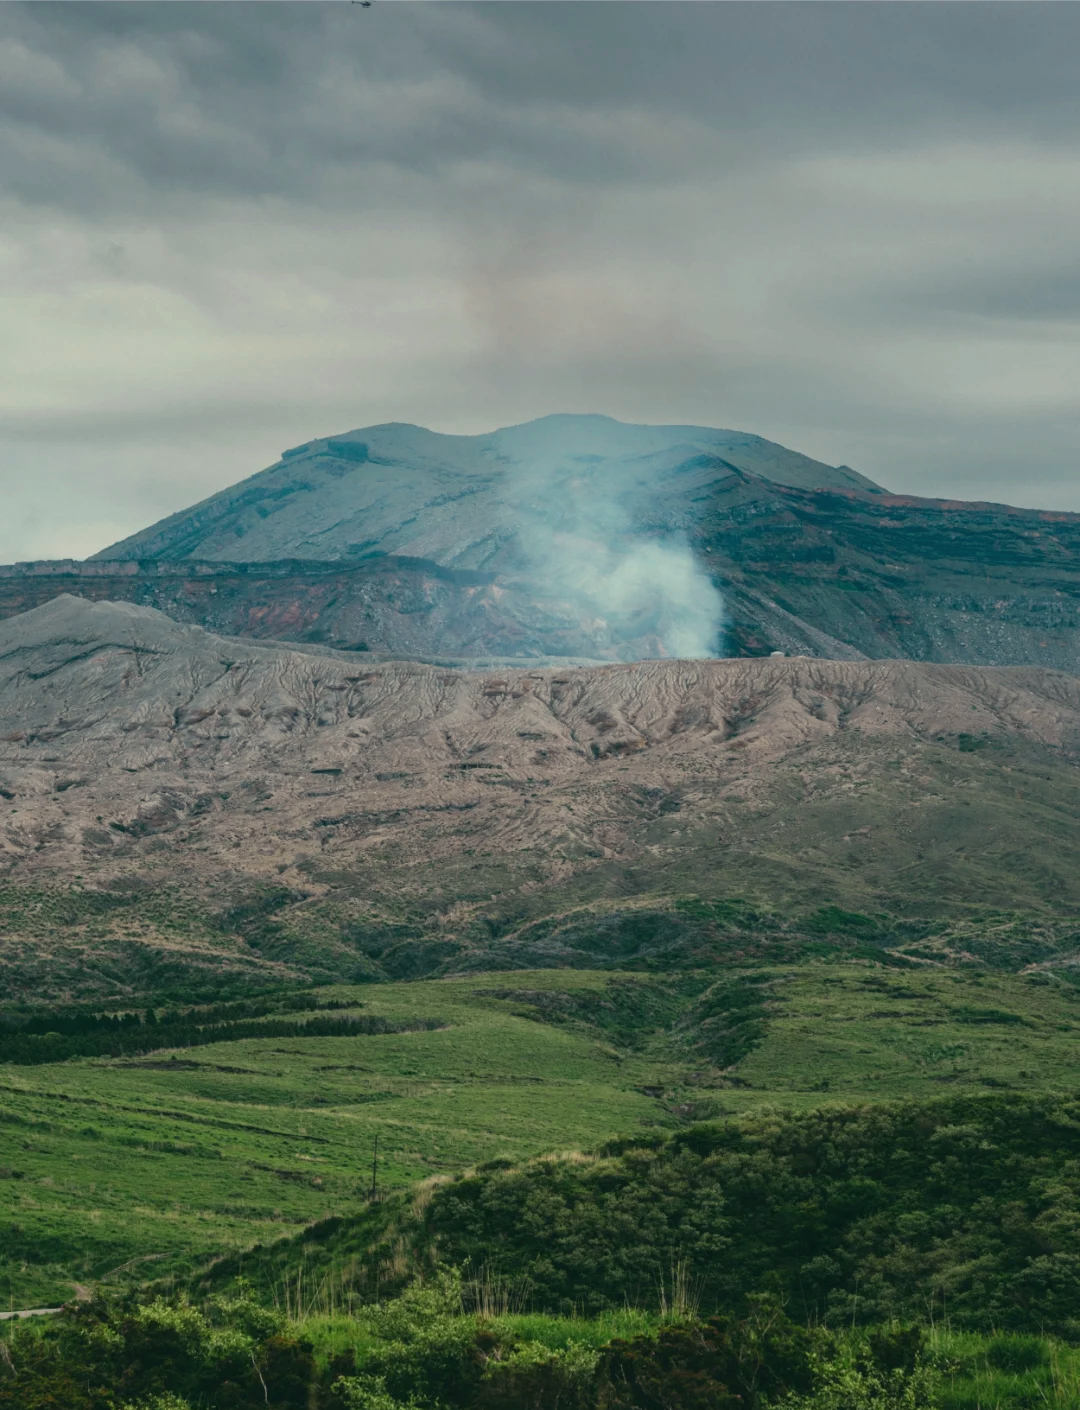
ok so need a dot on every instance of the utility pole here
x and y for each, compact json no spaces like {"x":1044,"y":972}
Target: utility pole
{"x":374,"y":1165}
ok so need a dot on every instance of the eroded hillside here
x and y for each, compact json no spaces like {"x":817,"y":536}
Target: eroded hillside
{"x":400,"y":809}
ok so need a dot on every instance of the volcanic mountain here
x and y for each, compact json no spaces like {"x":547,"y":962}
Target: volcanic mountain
{"x":579,"y":539}
{"x":467,"y":501}
{"x":225,"y":802}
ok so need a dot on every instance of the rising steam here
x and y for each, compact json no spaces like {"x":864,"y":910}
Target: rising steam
{"x":634,"y":591}
{"x":600,"y":540}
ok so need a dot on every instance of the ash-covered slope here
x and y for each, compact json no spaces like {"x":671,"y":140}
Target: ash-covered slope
{"x":814,"y":572}
{"x":395,"y":806}
{"x":89,"y":690}
{"x":470,"y":501}
{"x":581,"y":537}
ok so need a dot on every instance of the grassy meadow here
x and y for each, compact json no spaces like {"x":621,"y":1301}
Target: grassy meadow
{"x":170,"y":1158}
{"x":122,"y":1169}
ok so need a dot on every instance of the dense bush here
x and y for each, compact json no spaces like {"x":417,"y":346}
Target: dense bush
{"x":421,"y":1352}
{"x":719,"y":1364}
{"x":433,"y":1357}
{"x":162,"y":1355}
{"x":857,"y":1215}
{"x":427,"y":1351}
{"x":864,"y":1213}
{"x":428,"y":1355}
{"x":533,"y":1377}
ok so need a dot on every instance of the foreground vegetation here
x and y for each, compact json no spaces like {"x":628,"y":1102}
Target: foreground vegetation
{"x":839,"y":1180}
{"x":449,"y":1345}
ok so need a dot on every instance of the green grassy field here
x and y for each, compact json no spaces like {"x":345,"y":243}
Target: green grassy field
{"x":106,"y":1161}
{"x":853,"y":1031}
{"x":163,"y":1161}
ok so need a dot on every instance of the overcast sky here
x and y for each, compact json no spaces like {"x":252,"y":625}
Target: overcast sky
{"x":226,"y":229}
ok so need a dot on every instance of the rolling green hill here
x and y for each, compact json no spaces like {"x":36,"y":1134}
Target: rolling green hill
{"x":176,"y":1158}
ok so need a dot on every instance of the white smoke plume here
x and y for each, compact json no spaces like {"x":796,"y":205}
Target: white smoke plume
{"x":598,"y":532}
{"x":652,"y":594}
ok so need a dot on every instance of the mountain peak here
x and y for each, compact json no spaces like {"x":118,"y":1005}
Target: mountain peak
{"x":469,"y":501}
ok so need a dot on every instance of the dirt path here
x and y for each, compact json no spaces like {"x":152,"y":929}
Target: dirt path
{"x":29,"y":1312}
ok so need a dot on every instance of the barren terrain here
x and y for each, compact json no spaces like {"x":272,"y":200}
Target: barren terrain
{"x":464,"y":501}
{"x":400,"y":804}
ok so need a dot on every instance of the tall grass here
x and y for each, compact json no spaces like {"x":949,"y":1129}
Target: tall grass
{"x":492,"y":1294}
{"x":556,"y":1333}
{"x":679,"y":1294}
{"x":336,"y":1334}
{"x":1004,"y":1371}
{"x":317,"y":1292}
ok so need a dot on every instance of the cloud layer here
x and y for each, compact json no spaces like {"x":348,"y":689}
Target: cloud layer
{"x":225,"y":229}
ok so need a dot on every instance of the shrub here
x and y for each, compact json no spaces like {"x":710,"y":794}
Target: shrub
{"x":365,"y":1393}
{"x":533,"y":1377}
{"x":711,"y":1365}
{"x":286,"y":1370}
{"x":896,"y":1349}
{"x":165,"y":1401}
{"x":429,"y":1350}
{"x":163,"y":1344}
{"x":163,"y":1355}
{"x":846,"y":1383}
{"x":852,"y":1213}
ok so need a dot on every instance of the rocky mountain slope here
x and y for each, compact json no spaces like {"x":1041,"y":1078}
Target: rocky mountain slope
{"x":402,"y":816}
{"x":470,"y":501}
{"x":580,"y":539}
{"x":404,"y":607}
{"x":807,"y":572}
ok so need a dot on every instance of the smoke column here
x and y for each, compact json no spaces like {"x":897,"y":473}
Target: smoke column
{"x":638,"y":587}
{"x":597,"y":530}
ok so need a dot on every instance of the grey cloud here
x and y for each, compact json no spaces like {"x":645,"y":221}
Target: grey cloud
{"x":1001,"y":294}
{"x":227,"y":228}
{"x":116,"y":102}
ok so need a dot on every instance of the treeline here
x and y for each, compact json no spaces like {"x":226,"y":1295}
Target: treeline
{"x":134,"y":1039}
{"x":77,"y":1021}
{"x":848,"y":1214}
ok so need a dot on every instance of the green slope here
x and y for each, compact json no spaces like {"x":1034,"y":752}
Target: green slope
{"x":186,"y":1156}
{"x":960,"y":1208}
